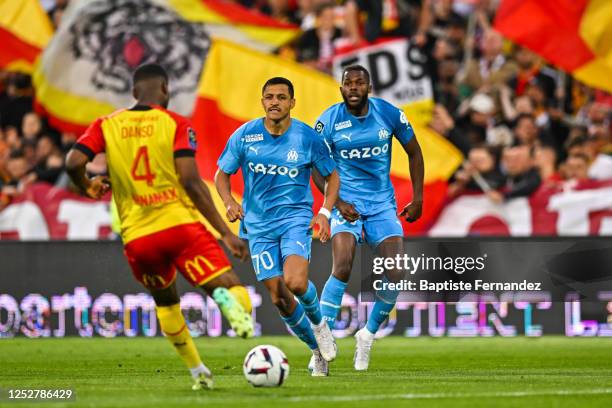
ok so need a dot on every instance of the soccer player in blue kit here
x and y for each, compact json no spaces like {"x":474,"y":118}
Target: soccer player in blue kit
{"x":358,"y":132}
{"x":276,"y":154}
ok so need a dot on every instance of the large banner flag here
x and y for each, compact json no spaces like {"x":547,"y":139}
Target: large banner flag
{"x":398,"y":74}
{"x":574,"y":35}
{"x":555,"y":209}
{"x":230,"y":94}
{"x":85,"y":71}
{"x":25,"y":30}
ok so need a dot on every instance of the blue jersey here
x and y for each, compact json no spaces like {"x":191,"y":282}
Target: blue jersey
{"x":361,"y":148}
{"x":276,"y":172}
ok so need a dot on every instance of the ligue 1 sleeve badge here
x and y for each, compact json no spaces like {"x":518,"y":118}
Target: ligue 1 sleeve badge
{"x":319,"y":126}
{"x":193,"y":142}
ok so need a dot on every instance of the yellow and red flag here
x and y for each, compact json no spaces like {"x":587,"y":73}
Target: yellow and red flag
{"x":230,"y":95}
{"x":25,"y":30}
{"x":85,"y":71}
{"x":574,"y":35}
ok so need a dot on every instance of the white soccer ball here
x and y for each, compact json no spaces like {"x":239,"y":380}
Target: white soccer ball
{"x":266,"y":366}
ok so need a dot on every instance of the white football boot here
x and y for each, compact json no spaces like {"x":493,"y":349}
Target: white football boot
{"x":318,"y":366}
{"x":364,"y":339}
{"x":325,"y":340}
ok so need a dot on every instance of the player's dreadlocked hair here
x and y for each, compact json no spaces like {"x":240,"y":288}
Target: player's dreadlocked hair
{"x":149,"y":71}
{"x":361,"y":68}
{"x":278,"y":81}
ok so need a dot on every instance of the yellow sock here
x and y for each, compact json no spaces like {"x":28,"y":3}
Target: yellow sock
{"x":174,"y":327}
{"x":241,"y":294}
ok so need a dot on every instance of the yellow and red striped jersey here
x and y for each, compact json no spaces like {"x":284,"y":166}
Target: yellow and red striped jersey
{"x":141,"y":144}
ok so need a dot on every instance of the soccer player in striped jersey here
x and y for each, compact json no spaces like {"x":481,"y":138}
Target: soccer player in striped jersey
{"x":276,"y":154}
{"x":161,"y":200}
{"x":359,"y":132}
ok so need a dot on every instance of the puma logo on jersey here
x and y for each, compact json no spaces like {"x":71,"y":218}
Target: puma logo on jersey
{"x":347,"y":137}
{"x":300,"y":244}
{"x":364,"y":152}
{"x":273,"y":169}
{"x":253,"y":149}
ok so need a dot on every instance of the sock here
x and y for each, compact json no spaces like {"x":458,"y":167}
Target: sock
{"x":241,"y":294}
{"x":385,"y":302}
{"x":174,"y":327}
{"x":300,"y":325}
{"x":196,"y":371}
{"x":310,"y":302}
{"x":331,"y":299}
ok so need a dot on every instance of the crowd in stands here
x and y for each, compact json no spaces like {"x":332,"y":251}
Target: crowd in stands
{"x":518,"y":121}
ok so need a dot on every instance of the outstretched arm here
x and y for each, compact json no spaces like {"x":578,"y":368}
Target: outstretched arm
{"x":413,"y":210}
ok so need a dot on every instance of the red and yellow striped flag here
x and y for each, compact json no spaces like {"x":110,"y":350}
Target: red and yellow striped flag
{"x":25,"y":30}
{"x":230,"y":95}
{"x":85,"y":71}
{"x":574,"y":35}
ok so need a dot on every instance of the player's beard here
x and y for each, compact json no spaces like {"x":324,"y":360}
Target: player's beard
{"x":360,"y":105}
{"x":279,"y":120}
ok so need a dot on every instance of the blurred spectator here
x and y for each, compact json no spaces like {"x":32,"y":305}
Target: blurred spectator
{"x":31,"y":126}
{"x":546,"y":163}
{"x":279,"y":10}
{"x":577,"y":167}
{"x":491,"y":69}
{"x":525,"y":131}
{"x":49,"y":162}
{"x":522,"y":178}
{"x":316,"y":46}
{"x":578,"y":144}
{"x":307,"y":13}
{"x":479,"y":173}
{"x":12,"y":139}
{"x":16,"y":169}
{"x":599,"y":138}
{"x":19,"y":99}
{"x":477,"y":125}
{"x":530,"y":69}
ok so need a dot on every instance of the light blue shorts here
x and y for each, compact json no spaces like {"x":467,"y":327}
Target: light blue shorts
{"x":372,"y":229}
{"x":269,"y":252}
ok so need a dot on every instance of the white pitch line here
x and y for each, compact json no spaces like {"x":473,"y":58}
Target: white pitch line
{"x":517,"y":394}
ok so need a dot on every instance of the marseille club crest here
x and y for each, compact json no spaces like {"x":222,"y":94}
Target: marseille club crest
{"x":292,"y":156}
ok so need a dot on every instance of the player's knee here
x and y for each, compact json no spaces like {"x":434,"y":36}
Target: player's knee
{"x":296,"y":283}
{"x":342,"y":268}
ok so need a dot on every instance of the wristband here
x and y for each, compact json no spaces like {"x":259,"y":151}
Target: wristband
{"x":324,"y":211}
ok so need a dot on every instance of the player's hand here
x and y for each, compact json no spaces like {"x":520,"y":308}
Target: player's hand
{"x":236,"y":246}
{"x":347,"y":210}
{"x":98,"y":187}
{"x":412,"y":211}
{"x":234,"y":211}
{"x":323,"y":223}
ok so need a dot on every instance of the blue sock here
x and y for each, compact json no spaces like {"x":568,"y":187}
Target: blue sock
{"x":300,"y":325}
{"x":310,"y":302}
{"x":385,"y":302}
{"x":331,"y":299}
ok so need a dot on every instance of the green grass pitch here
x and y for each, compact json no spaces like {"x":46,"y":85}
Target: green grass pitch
{"x":423,"y":372}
